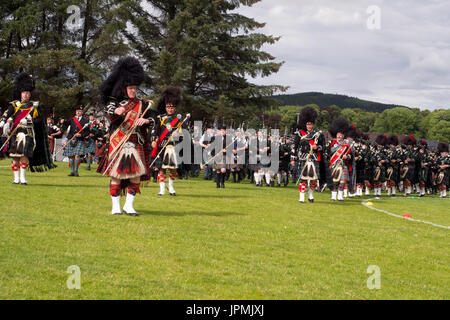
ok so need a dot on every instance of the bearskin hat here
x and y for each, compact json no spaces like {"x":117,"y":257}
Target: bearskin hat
{"x":353,"y":133}
{"x":442,"y":147}
{"x":381,"y":139}
{"x":169,"y":95}
{"x":306,"y":115}
{"x":409,"y":141}
{"x":365,"y":136}
{"x":392,"y":140}
{"x":338,"y":125}
{"x":23,"y":82}
{"x":423,"y":143}
{"x":127,"y":72}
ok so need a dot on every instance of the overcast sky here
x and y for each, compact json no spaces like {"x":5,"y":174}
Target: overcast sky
{"x":328,"y":47}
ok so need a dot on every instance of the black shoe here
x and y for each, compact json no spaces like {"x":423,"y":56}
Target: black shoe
{"x":222,"y":186}
{"x":131,"y":214}
{"x":71,"y":174}
{"x":117,"y":214}
{"x":16,"y":183}
{"x":23,"y":183}
{"x":88,"y":168}
{"x":311,"y":200}
{"x":173,"y":194}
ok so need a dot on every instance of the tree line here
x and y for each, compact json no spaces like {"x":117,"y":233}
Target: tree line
{"x":423,"y":124}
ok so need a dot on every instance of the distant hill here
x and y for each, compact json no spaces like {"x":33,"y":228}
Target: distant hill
{"x":325,"y":100}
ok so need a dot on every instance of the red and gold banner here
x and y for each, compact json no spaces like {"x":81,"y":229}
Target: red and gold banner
{"x":163,"y":135}
{"x":119,"y":136}
{"x":23,"y":113}
{"x":339,"y":153}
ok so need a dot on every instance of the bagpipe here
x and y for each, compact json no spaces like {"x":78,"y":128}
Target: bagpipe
{"x":126,"y":130}
{"x":441,"y":172}
{"x":23,"y":115}
{"x":172,"y":129}
{"x":309,"y":170}
{"x":337,"y":162}
{"x":404,"y":168}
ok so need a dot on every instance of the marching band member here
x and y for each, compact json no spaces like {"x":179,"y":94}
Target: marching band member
{"x":163,"y":145}
{"x":28,"y":144}
{"x":127,"y":161}
{"x":310,"y":144}
{"x":340,"y":159}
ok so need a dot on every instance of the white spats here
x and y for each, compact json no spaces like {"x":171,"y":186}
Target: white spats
{"x":162,"y":188}
{"x":359,"y":192}
{"x":340,"y":195}
{"x":128,"y":207}
{"x":367,"y":191}
{"x":302,"y":197}
{"x":258,"y":178}
{"x":333,"y":195}
{"x":23,"y":172}
{"x":16,"y":177}
{"x":268,"y":178}
{"x":171,"y":188}
{"x":311,"y":194}
{"x":115,"y":205}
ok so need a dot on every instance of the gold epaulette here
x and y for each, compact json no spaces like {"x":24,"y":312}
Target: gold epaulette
{"x":15,"y":103}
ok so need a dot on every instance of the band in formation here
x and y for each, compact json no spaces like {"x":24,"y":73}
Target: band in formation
{"x":139,"y":144}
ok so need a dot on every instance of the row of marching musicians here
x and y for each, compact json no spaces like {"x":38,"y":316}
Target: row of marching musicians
{"x":136,"y":133}
{"x":351,"y":164}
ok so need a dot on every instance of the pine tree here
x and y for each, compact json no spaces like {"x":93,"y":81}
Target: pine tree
{"x":208,"y":49}
{"x":67,"y":63}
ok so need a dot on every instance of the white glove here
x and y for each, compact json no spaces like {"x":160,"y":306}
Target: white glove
{"x":2,"y":123}
{"x":29,"y":118}
{"x":24,"y":121}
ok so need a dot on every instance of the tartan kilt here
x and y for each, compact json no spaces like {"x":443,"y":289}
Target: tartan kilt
{"x":75,"y":148}
{"x":142,"y":152}
{"x":345,"y":174}
{"x":91,"y":147}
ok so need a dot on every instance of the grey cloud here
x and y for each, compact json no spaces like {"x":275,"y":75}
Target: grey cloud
{"x":327,"y":47}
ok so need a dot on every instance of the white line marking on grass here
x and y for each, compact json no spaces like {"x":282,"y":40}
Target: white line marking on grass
{"x":364,"y":203}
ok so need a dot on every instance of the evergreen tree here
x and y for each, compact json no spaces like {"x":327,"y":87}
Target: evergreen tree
{"x":66,"y":59}
{"x":209,"y":49}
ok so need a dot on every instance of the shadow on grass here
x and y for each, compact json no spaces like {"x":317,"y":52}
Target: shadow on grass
{"x":190,"y":213}
{"x":224,"y":196}
{"x":66,"y":185}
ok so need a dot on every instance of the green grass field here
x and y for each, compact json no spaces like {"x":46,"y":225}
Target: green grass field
{"x":241,"y":242}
